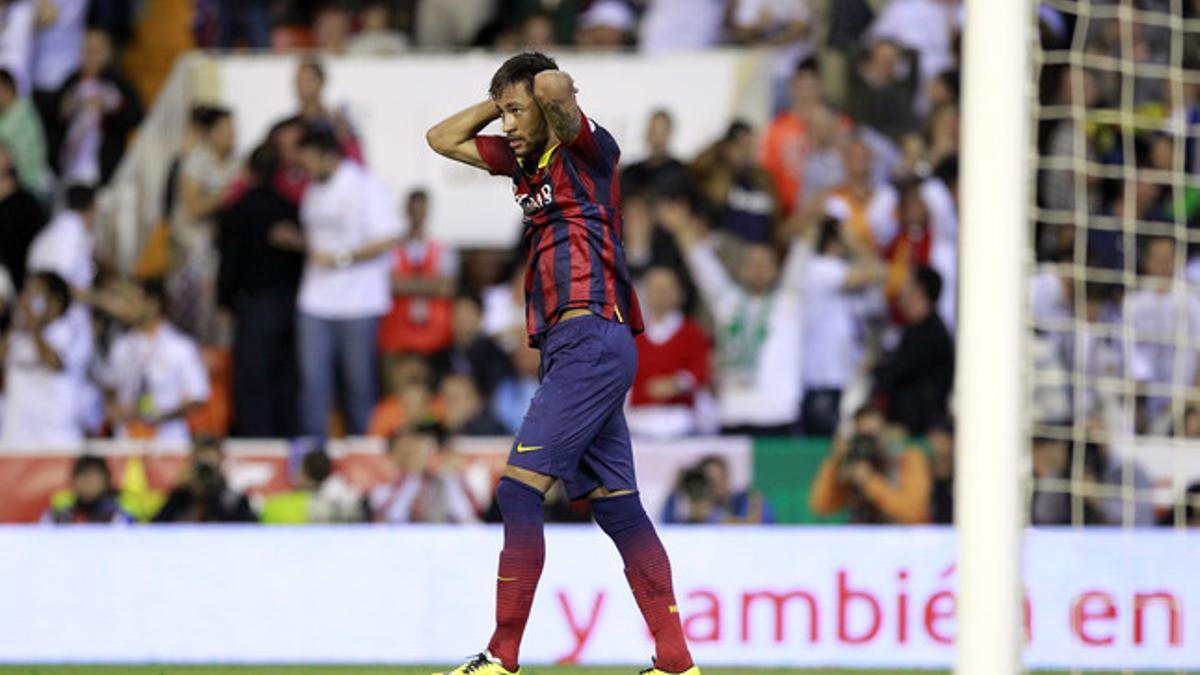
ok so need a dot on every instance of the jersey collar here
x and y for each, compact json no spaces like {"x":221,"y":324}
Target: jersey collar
{"x":544,"y":159}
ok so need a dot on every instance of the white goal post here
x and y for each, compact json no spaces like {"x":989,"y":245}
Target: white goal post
{"x":990,"y":388}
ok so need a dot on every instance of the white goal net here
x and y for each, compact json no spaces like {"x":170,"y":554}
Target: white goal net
{"x":1114,"y":279}
{"x":1115,"y":289}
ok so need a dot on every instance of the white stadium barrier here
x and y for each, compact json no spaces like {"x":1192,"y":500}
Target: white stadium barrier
{"x":749,"y":596}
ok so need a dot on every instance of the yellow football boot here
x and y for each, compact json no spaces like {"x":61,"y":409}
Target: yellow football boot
{"x":482,"y":664}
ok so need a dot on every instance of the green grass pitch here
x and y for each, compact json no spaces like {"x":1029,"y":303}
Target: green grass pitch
{"x":402,"y":670}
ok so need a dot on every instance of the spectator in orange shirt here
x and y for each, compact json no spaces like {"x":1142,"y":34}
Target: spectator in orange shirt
{"x":424,"y":276}
{"x":786,"y":143}
{"x":874,"y":475}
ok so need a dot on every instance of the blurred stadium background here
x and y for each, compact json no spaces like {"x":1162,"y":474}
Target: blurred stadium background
{"x":791,"y":213}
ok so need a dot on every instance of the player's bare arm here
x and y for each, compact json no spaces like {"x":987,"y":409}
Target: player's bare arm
{"x":454,"y":137}
{"x":554,"y":92}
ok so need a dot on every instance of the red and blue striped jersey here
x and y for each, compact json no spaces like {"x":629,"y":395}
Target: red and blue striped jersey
{"x":572,"y":236}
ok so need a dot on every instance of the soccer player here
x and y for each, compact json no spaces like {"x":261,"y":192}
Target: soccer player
{"x":581,"y":312}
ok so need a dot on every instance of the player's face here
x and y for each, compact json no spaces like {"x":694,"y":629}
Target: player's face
{"x":522,"y":121}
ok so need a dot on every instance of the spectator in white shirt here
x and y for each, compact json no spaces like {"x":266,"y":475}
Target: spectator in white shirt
{"x":18,"y":23}
{"x":678,"y":25}
{"x":57,"y":48}
{"x":835,"y":276}
{"x":1165,"y":318}
{"x":349,"y":228}
{"x":757,"y":333}
{"x":154,"y":373}
{"x":45,"y":359}
{"x":65,"y":245}
{"x":927,"y":26}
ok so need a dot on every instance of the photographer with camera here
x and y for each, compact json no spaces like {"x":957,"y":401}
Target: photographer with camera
{"x":703,"y":496}
{"x":203,"y":496}
{"x":874,"y":475}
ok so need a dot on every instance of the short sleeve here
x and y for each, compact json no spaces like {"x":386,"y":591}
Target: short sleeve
{"x":193,"y":375}
{"x":594,"y":145}
{"x":382,"y":219}
{"x":827,"y":274}
{"x":496,"y":153}
{"x":121,"y":370}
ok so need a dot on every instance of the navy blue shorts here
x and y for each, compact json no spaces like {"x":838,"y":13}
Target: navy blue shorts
{"x":575,"y":428}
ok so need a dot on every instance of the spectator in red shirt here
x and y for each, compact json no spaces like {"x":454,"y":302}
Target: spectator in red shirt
{"x":424,"y":276}
{"x":673,"y":358}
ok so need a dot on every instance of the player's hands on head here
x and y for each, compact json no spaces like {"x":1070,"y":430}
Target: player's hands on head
{"x":554,"y":85}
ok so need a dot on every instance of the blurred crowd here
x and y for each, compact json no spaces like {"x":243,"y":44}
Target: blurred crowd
{"x":790,"y":274}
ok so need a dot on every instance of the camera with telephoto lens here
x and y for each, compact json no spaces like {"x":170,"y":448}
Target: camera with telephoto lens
{"x":207,"y":477}
{"x":863,"y":448}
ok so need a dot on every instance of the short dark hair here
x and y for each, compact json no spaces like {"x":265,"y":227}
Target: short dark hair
{"x":80,"y":197}
{"x":950,"y":80}
{"x":663,"y":113}
{"x":206,"y":117}
{"x":737,"y":128}
{"x":415,"y":194}
{"x":154,"y":290}
{"x":809,"y":65}
{"x":321,"y":140}
{"x":263,"y":161}
{"x":199,"y":113}
{"x":929,"y":281}
{"x":56,"y":286}
{"x":7,"y":79}
{"x":830,"y":232}
{"x":520,"y":68}
{"x":86,"y":463}
{"x":279,"y":126}
{"x":316,"y":465}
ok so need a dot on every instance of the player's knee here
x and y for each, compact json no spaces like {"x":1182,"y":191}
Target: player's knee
{"x":513,"y":497}
{"x":618,"y":512}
